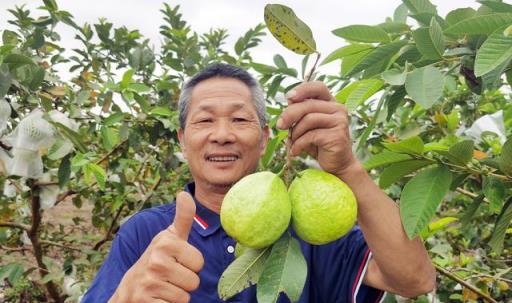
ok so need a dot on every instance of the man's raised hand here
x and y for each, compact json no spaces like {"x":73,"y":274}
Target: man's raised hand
{"x":168,"y":270}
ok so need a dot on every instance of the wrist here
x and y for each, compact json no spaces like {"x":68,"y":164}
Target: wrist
{"x":351,"y":172}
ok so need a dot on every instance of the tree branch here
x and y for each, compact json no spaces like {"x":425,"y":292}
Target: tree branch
{"x":23,"y":227}
{"x":459,"y":280}
{"x":33,"y":235}
{"x":110,"y":229}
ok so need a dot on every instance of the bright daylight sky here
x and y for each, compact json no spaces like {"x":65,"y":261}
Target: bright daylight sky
{"x":236,"y":16}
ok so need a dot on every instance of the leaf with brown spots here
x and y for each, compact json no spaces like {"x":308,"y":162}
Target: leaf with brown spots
{"x":289,"y":30}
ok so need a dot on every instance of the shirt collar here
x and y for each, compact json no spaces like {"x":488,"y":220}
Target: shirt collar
{"x":206,"y":221}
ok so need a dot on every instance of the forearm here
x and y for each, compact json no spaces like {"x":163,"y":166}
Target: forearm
{"x":401,"y":262}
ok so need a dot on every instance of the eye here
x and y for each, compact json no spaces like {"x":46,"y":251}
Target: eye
{"x":205,"y":120}
{"x":239,"y":119}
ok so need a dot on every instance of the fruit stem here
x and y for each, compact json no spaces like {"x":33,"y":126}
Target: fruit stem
{"x":312,"y":71}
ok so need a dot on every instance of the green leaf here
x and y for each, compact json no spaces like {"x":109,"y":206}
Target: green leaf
{"x":288,"y":29}
{"x":358,"y":92}
{"x":462,"y":152}
{"x":17,"y":60}
{"x":272,"y":145}
{"x":505,"y":159}
{"x":499,"y":7}
{"x":425,"y":85}
{"x":495,"y":50}
{"x":480,"y":24}
{"x":114,"y":118}
{"x":12,"y":272}
{"x":162,"y":111}
{"x":385,"y":158}
{"x":71,"y":135}
{"x":400,"y":13}
{"x":345,"y":51}
{"x":393,"y":101}
{"x":378,"y":57}
{"x":127,"y":78}
{"x":279,"y":62}
{"x":500,"y":228}
{"x":394,"y":76}
{"x":413,"y":145}
{"x":109,"y":137}
{"x":285,"y":271}
{"x":395,"y":27}
{"x":364,"y":136}
{"x":362,"y":33}
{"x":470,"y":211}
{"x":493,"y":80}
{"x":395,"y":172}
{"x":421,"y":196}
{"x":64,"y":171}
{"x":99,"y":174}
{"x":60,"y":148}
{"x":495,"y":191}
{"x":420,"y":6}
{"x":348,"y":62}
{"x":242,"y":272}
{"x":430,"y":41}
{"x":459,"y":15}
{"x":138,"y":88}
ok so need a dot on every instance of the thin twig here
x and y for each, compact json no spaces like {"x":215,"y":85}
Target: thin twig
{"x":23,"y":227}
{"x":117,"y":147}
{"x":110,"y":229}
{"x":459,"y":280}
{"x":5,"y":146}
{"x":51,"y":243}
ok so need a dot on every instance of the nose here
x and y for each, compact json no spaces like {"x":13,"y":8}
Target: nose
{"x":222,"y":132}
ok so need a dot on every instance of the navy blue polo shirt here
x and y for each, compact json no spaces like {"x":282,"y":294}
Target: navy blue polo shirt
{"x":335,"y":270}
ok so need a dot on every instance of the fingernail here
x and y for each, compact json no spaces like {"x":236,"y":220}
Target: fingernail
{"x":291,"y":94}
{"x":279,"y":123}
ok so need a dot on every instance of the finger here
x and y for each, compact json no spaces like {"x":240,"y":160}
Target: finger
{"x":168,"y":292}
{"x":185,"y":212}
{"x":314,"y":121}
{"x":190,"y":257}
{"x":293,"y":113}
{"x":305,"y":142}
{"x":183,"y":277}
{"x":309,"y":90}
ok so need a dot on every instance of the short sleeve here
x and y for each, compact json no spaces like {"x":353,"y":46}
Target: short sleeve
{"x":339,"y":268}
{"x":119,"y":260}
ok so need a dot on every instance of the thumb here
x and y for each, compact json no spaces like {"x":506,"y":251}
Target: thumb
{"x":185,"y":211}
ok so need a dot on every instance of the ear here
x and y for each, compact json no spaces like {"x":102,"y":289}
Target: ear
{"x":181,"y":138}
{"x":264,"y":140}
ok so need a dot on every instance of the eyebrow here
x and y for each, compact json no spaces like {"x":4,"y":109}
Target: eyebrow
{"x":208,"y":107}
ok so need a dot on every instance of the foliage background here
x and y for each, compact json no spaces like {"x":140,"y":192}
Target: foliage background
{"x":114,"y":148}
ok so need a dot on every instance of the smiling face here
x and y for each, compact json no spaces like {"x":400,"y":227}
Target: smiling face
{"x":222,"y":140}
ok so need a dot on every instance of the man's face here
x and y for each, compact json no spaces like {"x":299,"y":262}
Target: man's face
{"x":222,"y":140}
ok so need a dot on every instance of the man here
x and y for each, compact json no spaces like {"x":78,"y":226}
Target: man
{"x":177,"y":252}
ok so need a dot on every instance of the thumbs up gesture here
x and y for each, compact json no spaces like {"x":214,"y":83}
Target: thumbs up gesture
{"x":168,"y":270}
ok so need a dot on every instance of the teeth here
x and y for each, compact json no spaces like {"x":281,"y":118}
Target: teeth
{"x":222,"y":159}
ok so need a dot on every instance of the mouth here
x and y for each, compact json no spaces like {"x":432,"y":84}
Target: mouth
{"x":222,"y":158}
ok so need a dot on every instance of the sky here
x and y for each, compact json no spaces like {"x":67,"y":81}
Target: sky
{"x":237,"y":17}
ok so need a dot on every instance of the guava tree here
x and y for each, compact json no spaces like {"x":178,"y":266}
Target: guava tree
{"x":429,"y":98}
{"x":431,"y":114}
{"x":95,"y":127}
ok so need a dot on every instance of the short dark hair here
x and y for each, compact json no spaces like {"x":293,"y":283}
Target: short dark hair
{"x":222,"y":70}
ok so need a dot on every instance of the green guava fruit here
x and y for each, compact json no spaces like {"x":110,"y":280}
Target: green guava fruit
{"x":324,"y":208}
{"x":256,"y":210}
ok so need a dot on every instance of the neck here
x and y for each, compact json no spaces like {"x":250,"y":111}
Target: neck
{"x":210,"y":195}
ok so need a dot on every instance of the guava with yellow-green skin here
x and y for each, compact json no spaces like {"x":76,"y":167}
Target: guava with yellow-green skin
{"x":324,"y":208}
{"x":256,"y":210}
